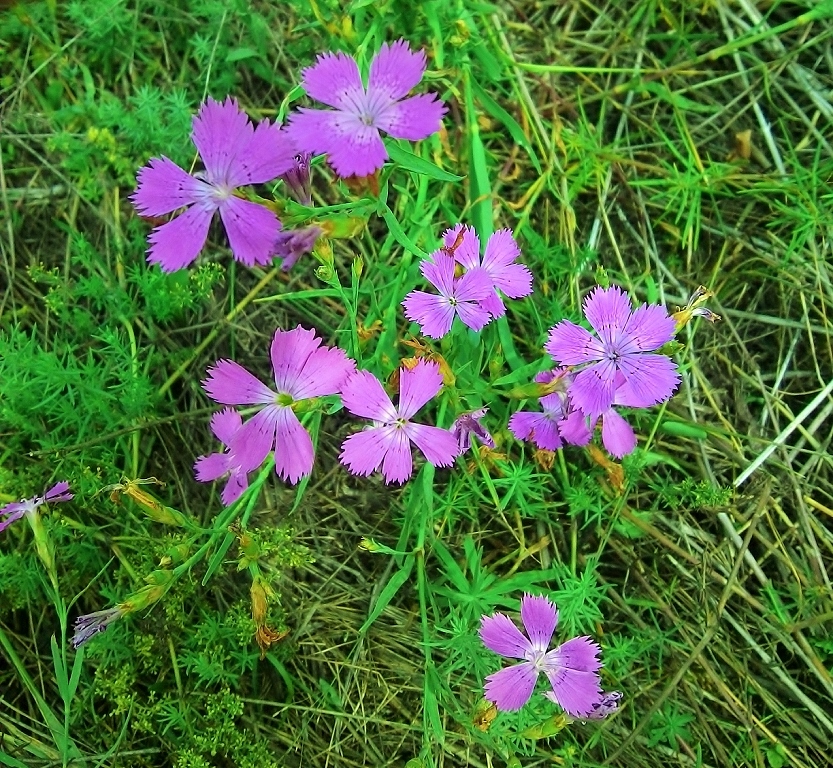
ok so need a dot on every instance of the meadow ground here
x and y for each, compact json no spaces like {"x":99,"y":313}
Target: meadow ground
{"x":653,"y":144}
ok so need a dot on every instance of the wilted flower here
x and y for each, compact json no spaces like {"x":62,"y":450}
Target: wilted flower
{"x":468,"y":425}
{"x":291,"y":244}
{"x":297,"y":179}
{"x":89,"y":625}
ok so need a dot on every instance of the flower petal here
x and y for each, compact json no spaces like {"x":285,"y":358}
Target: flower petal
{"x":252,"y":230}
{"x":593,"y":389}
{"x":413,"y":119}
{"x":230,"y":383}
{"x":303,"y":368}
{"x":363,"y":395}
{"x":512,"y":687}
{"x":262,"y":156}
{"x":572,"y":671}
{"x":58,"y":492}
{"x":650,"y":378}
{"x":398,"y":464}
{"x":353,"y":148}
{"x":618,"y":436}
{"x":434,"y":314}
{"x":225,"y":423}
{"x":163,"y":187}
{"x":570,"y":344}
{"x":209,"y":468}
{"x":294,"y":453}
{"x":395,"y":70}
{"x":467,"y":251}
{"x":439,"y":272}
{"x":515,"y":280}
{"x":14,"y":513}
{"x":176,"y":244}
{"x":362,"y":453}
{"x":252,"y":443}
{"x":608,"y":311}
{"x":473,"y":314}
{"x":501,"y":251}
{"x":499,"y":634}
{"x":648,"y":328}
{"x":334,"y":79}
{"x":438,"y":445}
{"x":540,"y":618}
{"x":238,"y":482}
{"x":417,"y":386}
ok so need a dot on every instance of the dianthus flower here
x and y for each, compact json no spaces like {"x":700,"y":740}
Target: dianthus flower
{"x":17,"y":509}
{"x":461,"y":296}
{"x":623,"y":343}
{"x":235,"y":154}
{"x":467,"y":426}
{"x":349,"y":134}
{"x":499,"y":262}
{"x":303,"y":369}
{"x":388,"y":441}
{"x":291,"y":244}
{"x":558,"y":422}
{"x":571,"y":668}
{"x":225,"y":425}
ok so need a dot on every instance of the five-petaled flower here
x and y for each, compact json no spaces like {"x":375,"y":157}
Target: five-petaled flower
{"x":303,"y":369}
{"x":349,"y":133}
{"x":17,"y":509}
{"x":499,"y":261}
{"x":224,"y":425}
{"x":459,"y":296}
{"x":571,"y":668}
{"x":623,"y":344}
{"x":388,"y":441}
{"x":235,"y":153}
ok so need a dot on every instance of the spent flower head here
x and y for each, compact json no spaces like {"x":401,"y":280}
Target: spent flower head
{"x":303,"y":369}
{"x":622,"y":344}
{"x":467,"y":426}
{"x":571,"y":668}
{"x":349,"y":133}
{"x":235,"y":153}
{"x":388,"y":441}
{"x":89,"y":625}
{"x":17,"y":509}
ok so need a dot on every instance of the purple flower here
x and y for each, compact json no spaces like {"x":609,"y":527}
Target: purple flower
{"x":461,"y":296}
{"x":607,"y":705}
{"x":234,"y":153}
{"x":571,"y":668}
{"x":514,"y":280}
{"x":17,"y":509}
{"x":388,"y":441}
{"x":468,"y":425}
{"x":349,"y":134}
{"x":303,"y":369}
{"x":292,"y":244}
{"x":624,"y":339}
{"x":297,"y":179}
{"x":89,"y":625}
{"x":224,"y":425}
{"x":558,"y":423}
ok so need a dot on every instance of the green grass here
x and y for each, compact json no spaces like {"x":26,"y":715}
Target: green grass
{"x":604,"y":135}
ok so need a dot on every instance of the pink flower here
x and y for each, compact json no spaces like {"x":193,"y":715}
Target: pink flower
{"x":388,"y":441}
{"x":624,"y":339}
{"x":461,"y":297}
{"x":17,"y":509}
{"x":225,"y":425}
{"x":512,"y":279}
{"x":303,"y":369}
{"x":571,"y":668}
{"x":558,"y":423}
{"x":234,"y":153}
{"x":349,"y":133}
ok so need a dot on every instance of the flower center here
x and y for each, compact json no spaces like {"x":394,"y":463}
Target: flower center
{"x":284,"y":399}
